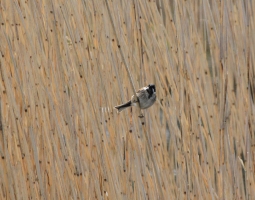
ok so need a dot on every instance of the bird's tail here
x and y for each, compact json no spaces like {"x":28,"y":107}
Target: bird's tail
{"x":123,"y":106}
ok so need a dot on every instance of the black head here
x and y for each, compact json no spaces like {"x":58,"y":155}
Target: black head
{"x":151,"y":89}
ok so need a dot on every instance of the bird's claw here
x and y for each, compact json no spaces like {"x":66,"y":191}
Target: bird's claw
{"x":141,"y":116}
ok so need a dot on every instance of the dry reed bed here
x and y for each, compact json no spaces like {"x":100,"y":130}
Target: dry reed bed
{"x":62,"y":73}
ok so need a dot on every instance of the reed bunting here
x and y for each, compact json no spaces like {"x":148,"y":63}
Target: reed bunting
{"x":146,"y":98}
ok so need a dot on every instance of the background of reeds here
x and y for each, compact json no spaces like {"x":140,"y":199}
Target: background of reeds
{"x":62,"y":72}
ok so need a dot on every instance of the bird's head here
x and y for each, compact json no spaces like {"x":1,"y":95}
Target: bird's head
{"x":152,"y":88}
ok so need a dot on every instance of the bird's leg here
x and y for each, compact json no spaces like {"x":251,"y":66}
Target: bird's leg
{"x":135,"y":99}
{"x":141,"y":114}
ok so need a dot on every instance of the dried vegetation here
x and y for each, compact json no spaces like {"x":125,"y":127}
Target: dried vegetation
{"x":63,"y":68}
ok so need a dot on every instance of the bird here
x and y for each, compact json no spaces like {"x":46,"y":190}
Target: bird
{"x":146,"y":97}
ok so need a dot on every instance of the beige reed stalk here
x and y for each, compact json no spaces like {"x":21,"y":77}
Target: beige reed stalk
{"x":142,"y":119}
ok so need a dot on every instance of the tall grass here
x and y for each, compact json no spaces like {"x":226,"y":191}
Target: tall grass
{"x":63,"y":69}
